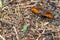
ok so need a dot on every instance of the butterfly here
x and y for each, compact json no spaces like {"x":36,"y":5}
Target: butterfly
{"x":42,"y":11}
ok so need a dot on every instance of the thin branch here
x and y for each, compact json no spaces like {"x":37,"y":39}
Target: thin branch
{"x":2,"y":37}
{"x":16,"y":33}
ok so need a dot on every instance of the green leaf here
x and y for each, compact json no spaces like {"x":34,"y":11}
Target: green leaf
{"x":4,"y":4}
{"x":0,"y":3}
{"x":25,"y":27}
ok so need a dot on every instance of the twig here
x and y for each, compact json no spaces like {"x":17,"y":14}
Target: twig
{"x":16,"y":33}
{"x":28,"y":5}
{"x":38,"y":37}
{"x":2,"y":37}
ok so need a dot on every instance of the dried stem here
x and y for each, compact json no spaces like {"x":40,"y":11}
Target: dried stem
{"x":2,"y":37}
{"x":16,"y":33}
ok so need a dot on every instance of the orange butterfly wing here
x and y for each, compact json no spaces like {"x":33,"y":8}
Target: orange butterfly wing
{"x":35,"y":10}
{"x":48,"y":15}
